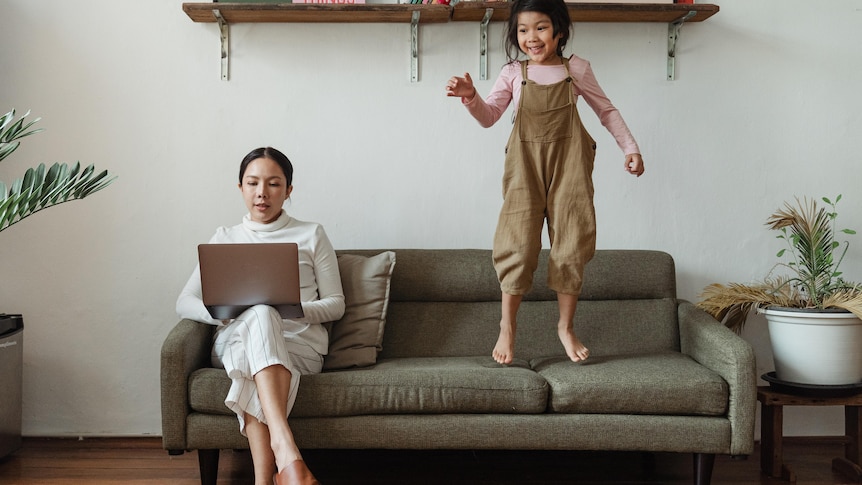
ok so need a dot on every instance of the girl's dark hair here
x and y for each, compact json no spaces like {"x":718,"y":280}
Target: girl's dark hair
{"x":272,"y":154}
{"x":555,"y":9}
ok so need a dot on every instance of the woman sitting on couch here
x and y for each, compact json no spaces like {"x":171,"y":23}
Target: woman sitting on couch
{"x":263,"y":354}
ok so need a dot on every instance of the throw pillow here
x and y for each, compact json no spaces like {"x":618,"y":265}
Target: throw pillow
{"x":357,"y":338}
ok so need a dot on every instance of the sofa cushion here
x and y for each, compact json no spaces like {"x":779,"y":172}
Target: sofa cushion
{"x":356,"y":339}
{"x":430,"y":385}
{"x":398,"y":386}
{"x":668,"y":383}
{"x":207,"y":389}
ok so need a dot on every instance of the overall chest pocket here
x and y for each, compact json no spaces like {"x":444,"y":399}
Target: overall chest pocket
{"x":545,"y":125}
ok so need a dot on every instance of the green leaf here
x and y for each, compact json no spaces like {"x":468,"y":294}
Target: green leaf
{"x":6,"y":149}
{"x":41,"y":188}
{"x":11,"y":131}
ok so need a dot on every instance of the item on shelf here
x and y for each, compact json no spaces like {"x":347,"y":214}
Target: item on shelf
{"x":628,"y":1}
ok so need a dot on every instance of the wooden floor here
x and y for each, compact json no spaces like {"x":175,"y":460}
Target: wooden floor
{"x":142,"y":460}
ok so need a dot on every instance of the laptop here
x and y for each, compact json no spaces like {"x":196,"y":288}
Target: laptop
{"x":235,"y":277}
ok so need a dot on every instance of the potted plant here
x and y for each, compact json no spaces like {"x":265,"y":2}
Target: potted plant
{"x":813,"y":314}
{"x":38,"y":189}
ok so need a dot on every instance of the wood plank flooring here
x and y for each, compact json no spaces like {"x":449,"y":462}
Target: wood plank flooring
{"x":142,"y":460}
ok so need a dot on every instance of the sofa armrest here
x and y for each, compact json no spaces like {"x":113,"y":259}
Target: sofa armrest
{"x":186,"y":349}
{"x":716,"y":347}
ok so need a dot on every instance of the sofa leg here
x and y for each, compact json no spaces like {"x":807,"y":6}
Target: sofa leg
{"x":648,"y":462}
{"x":208,"y":464}
{"x":703,"y":463}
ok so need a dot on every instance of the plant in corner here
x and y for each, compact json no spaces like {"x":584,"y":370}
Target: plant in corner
{"x":39,"y":189}
{"x":807,"y":306}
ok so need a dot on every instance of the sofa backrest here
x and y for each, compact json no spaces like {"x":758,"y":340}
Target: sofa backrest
{"x":446,"y":302}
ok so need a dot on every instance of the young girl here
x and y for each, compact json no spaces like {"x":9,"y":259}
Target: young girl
{"x":548,"y":166}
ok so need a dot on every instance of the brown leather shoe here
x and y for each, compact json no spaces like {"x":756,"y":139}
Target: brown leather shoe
{"x":295,"y":473}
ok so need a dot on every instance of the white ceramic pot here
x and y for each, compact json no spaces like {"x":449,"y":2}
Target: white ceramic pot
{"x":815,"y":347}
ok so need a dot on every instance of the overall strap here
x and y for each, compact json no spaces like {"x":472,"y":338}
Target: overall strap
{"x":523,"y":84}
{"x":569,"y":79}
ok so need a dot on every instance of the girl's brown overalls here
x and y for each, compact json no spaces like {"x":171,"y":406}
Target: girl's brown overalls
{"x":548,"y":175}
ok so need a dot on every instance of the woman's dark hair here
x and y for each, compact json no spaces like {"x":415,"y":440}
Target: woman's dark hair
{"x":555,"y":9}
{"x":272,"y":154}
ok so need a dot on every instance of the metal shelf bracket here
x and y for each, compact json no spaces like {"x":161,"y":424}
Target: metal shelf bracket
{"x":414,"y":47}
{"x":673,"y":29}
{"x":483,"y":44}
{"x":224,"y":34}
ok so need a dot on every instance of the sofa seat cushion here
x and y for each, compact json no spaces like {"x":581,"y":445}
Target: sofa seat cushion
{"x":207,"y":389}
{"x":668,"y":383}
{"x":429,"y":385}
{"x":423,"y":385}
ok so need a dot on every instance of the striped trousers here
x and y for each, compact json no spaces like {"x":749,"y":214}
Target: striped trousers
{"x":251,"y":343}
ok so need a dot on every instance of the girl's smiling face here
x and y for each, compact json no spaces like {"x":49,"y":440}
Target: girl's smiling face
{"x":264,"y":189}
{"x":536,"y":38}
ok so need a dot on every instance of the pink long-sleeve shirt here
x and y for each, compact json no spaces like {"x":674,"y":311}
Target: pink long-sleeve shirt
{"x":507,"y":89}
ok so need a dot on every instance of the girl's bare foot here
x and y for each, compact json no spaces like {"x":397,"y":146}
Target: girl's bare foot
{"x":504,"y":351}
{"x":574,"y":348}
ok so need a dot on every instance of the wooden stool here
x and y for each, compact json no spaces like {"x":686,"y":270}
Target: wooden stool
{"x":771,"y":431}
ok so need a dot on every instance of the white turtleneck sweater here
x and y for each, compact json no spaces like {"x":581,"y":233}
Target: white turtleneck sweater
{"x":320,"y":282}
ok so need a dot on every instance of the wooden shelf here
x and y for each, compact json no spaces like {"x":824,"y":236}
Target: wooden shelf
{"x":673,"y":14}
{"x":316,"y":12}
{"x":462,"y":11}
{"x":597,"y":12}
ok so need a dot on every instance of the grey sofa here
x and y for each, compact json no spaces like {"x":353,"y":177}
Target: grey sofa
{"x":663,"y":376}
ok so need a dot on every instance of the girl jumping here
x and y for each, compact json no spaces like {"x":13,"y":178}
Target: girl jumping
{"x":548,"y":164}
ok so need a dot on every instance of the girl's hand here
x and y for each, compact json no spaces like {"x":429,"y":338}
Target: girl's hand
{"x":461,"y":87}
{"x":635,"y":164}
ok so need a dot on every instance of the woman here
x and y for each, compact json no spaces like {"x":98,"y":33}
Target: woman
{"x":263,"y":354}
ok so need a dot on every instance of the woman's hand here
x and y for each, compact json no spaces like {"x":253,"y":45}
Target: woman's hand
{"x":635,"y":164}
{"x":461,"y":87}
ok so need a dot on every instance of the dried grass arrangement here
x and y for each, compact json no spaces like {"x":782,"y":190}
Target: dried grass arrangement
{"x":814,"y":280}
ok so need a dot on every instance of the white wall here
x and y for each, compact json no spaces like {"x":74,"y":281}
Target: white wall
{"x":766,"y":106}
